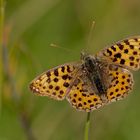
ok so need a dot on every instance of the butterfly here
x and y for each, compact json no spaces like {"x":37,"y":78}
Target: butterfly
{"x":96,"y":80}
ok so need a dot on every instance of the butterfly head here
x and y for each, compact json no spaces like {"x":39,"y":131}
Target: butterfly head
{"x":86,"y":56}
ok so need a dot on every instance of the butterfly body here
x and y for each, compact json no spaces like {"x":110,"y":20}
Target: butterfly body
{"x":95,"y":70}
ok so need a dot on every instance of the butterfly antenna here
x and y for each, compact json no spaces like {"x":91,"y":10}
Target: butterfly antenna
{"x":90,"y":35}
{"x":57,"y":46}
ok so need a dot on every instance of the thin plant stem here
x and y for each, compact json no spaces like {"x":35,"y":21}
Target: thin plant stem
{"x":2,"y":13}
{"x":86,"y":135}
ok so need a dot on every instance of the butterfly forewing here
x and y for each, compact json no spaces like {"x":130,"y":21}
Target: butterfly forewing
{"x":55,"y":82}
{"x":125,"y":53}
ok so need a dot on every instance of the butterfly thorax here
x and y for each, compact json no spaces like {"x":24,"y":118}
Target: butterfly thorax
{"x":95,"y":71}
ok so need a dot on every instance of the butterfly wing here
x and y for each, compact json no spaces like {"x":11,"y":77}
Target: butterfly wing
{"x":125,"y":53}
{"x":120,"y":85}
{"x":55,"y":82}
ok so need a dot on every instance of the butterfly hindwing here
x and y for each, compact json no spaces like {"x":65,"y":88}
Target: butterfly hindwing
{"x":120,"y":85}
{"x":82,"y":95}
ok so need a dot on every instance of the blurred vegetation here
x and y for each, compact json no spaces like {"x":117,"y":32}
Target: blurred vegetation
{"x":27,"y":28}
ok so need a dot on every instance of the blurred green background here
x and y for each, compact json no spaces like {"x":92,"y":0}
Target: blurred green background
{"x":29,"y":27}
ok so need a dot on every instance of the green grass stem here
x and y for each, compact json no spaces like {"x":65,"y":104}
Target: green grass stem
{"x":86,"y":135}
